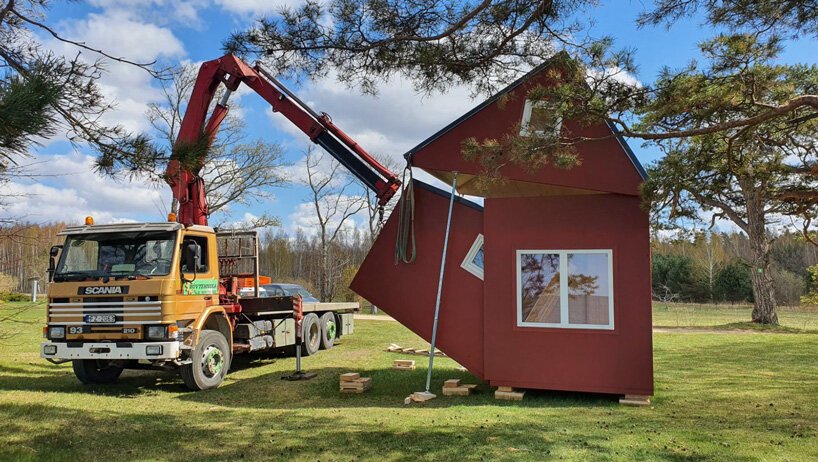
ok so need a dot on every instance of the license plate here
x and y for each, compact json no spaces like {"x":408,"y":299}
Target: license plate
{"x":100,"y":318}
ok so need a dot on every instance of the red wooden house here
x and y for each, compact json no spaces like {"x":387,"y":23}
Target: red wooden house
{"x":547,"y":285}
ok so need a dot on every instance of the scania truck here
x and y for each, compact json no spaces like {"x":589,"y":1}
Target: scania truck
{"x":166,"y":295}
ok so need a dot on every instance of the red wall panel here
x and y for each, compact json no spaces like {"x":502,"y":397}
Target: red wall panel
{"x":614,"y":361}
{"x":605,"y":164}
{"x":408,"y":291}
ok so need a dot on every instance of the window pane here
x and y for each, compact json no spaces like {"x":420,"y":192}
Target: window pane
{"x":478,"y":258}
{"x":588,"y":288}
{"x":540,"y":284}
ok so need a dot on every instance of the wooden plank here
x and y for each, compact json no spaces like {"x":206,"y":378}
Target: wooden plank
{"x":403,"y":368}
{"x":509,"y":395}
{"x":451,"y":383}
{"x":635,"y":400}
{"x":350,"y":376}
{"x":403,"y":362}
{"x":352,"y":391}
{"x":421,"y":396}
{"x":505,"y":389}
{"x":456,"y":391}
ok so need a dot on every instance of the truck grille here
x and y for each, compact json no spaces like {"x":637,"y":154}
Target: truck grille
{"x":142,"y":310}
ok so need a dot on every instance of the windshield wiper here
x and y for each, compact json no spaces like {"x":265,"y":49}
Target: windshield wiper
{"x":130,"y":275}
{"x":80,"y":274}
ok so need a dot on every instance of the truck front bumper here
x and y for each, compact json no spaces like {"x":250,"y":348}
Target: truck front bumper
{"x":110,"y":350}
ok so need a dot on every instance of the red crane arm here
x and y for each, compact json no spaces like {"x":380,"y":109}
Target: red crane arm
{"x":184,"y":179}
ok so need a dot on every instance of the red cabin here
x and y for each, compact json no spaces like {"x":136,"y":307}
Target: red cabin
{"x":547,"y":285}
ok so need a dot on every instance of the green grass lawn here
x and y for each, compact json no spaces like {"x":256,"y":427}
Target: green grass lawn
{"x":698,"y":315}
{"x":719,"y":397}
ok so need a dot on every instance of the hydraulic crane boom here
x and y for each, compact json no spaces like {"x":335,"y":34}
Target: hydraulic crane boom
{"x":183,"y":174}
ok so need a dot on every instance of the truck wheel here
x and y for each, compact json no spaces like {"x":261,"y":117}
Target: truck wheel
{"x":210,"y":362}
{"x":90,"y":371}
{"x":329,"y":330}
{"x":311,"y":328}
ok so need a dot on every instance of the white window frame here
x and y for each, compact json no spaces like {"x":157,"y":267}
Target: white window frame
{"x":564,"y":324}
{"x":529,"y":105}
{"x":468,"y":261}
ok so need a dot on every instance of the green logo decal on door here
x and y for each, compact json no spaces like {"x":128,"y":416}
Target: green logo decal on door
{"x":201,"y":287}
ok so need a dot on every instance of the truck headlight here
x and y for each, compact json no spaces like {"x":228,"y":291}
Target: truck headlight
{"x":50,"y":349}
{"x":156,"y":331}
{"x":153,"y":350}
{"x":56,"y":332}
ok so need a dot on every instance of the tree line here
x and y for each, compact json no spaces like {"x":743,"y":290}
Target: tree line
{"x":299,"y":258}
{"x":702,"y":267}
{"x":717,"y":268}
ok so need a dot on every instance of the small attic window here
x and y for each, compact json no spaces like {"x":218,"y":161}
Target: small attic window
{"x":473,"y":263}
{"x":540,"y":117}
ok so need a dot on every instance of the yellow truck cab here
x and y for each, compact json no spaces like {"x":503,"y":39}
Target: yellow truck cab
{"x":150,"y":295}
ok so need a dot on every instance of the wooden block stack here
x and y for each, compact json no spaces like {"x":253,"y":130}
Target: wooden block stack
{"x":395,"y":348}
{"x":403,"y":364}
{"x":453,"y":387}
{"x":635,"y":400}
{"x":352,"y":382}
{"x":509,"y":393}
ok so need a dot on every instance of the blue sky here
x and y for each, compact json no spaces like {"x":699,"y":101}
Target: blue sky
{"x":193,"y":30}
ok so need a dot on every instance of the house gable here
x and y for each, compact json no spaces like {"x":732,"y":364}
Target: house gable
{"x":607,"y":164}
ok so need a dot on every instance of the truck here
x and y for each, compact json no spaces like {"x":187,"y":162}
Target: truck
{"x":166,"y":295}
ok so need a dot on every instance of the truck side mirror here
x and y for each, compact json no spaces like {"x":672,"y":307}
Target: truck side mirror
{"x":52,"y":261}
{"x":191,"y":256}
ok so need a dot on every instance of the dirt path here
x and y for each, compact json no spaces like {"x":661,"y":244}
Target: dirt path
{"x":659,"y":330}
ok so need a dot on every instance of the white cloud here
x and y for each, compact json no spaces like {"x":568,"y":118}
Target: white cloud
{"x":615,"y":73}
{"x":256,"y":7}
{"x":120,"y":34}
{"x":74,"y":191}
{"x":183,"y":13}
{"x":304,"y":218}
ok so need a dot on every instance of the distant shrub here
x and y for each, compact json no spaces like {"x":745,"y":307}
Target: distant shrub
{"x":811,"y":298}
{"x":14,"y":297}
{"x":789,"y":287}
{"x":733,"y":284}
{"x":8,"y":282}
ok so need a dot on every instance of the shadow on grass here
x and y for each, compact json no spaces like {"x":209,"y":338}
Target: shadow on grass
{"x":62,"y":435}
{"x":390,"y":387}
{"x":756,"y":327}
{"x":54,"y":378}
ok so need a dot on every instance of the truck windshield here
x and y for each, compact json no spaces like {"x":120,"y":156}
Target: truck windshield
{"x":116,"y":255}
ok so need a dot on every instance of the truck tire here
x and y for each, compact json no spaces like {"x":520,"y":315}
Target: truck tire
{"x":96,"y":371}
{"x":210,"y":362}
{"x":311,"y":328}
{"x":329,"y":330}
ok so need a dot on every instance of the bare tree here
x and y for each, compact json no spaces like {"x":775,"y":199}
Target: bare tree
{"x":335,"y":203}
{"x":236,"y":170}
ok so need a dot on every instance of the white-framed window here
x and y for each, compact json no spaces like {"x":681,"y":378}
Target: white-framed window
{"x":540,"y":117}
{"x":565,"y":288}
{"x":473,"y":263}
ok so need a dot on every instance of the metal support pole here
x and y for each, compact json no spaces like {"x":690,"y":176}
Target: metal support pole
{"x":34,"y":289}
{"x":440,"y":285}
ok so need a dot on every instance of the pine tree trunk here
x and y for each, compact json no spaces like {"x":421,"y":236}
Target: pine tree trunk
{"x":764,"y":307}
{"x":764,"y":311}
